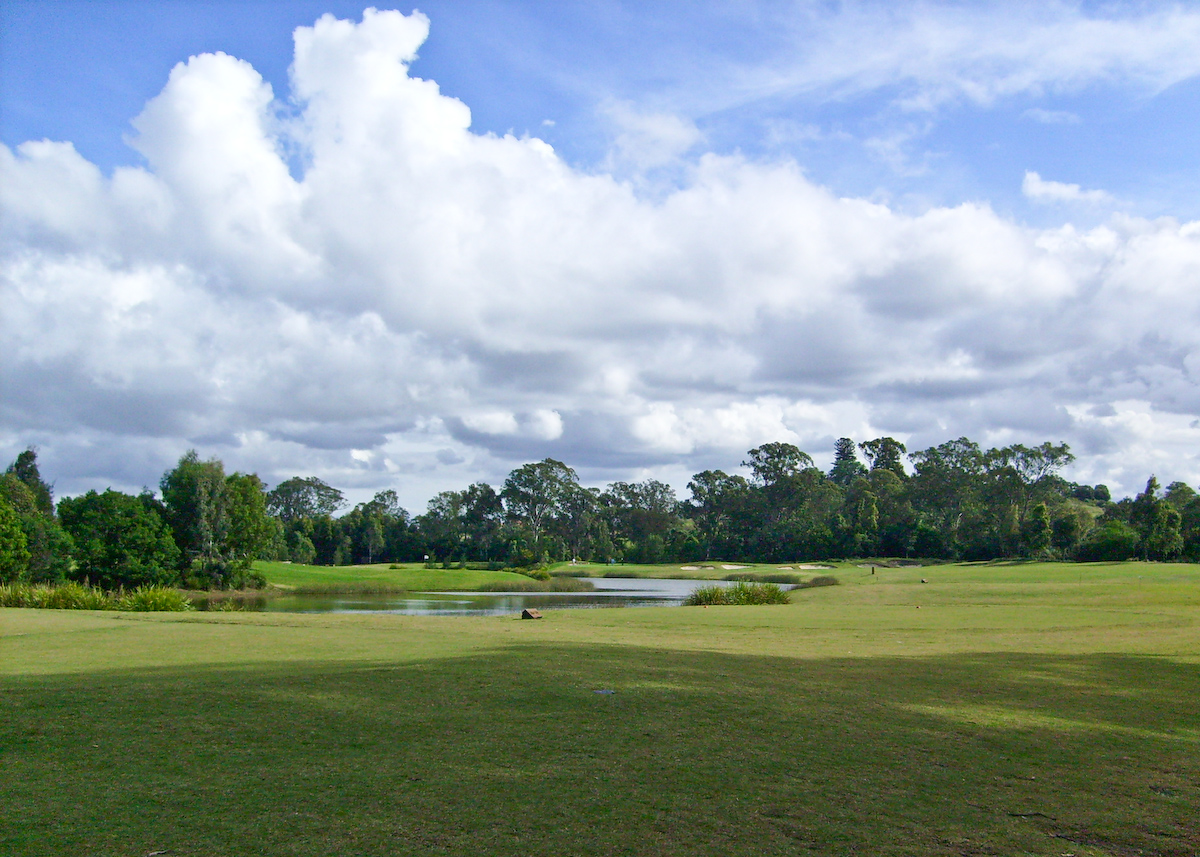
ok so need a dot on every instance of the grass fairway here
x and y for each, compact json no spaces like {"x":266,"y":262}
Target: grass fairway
{"x":411,"y":576}
{"x":1001,"y":709}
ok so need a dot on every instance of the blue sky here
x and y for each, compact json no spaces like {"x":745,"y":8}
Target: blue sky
{"x":80,"y":71}
{"x":759,"y":221}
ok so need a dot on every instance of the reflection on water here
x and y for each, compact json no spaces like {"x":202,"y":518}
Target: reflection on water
{"x":609,"y":592}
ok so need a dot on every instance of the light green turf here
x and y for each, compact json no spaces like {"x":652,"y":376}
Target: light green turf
{"x":411,"y":576}
{"x":1001,"y":709}
{"x":700,"y":570}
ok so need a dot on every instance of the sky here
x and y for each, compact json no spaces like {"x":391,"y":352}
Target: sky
{"x":416,"y":248}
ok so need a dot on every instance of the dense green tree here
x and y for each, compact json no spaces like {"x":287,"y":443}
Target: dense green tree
{"x":120,"y":541}
{"x":718,"y":505}
{"x":861,"y":517}
{"x":884,"y":453}
{"x":14,"y":556}
{"x":304,"y":498}
{"x":48,"y":544}
{"x":1179,"y":495}
{"x":1036,"y":531}
{"x":195,"y":501}
{"x":773,"y":462}
{"x":300,"y":548}
{"x":219,"y":523}
{"x":1112,"y":541}
{"x":250,"y":532}
{"x":25,"y":468}
{"x":1158,"y":524}
{"x":533,"y":495}
{"x":579,"y":521}
{"x":946,"y":486}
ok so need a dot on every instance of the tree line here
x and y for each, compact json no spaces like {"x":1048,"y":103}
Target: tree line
{"x":956,"y":501}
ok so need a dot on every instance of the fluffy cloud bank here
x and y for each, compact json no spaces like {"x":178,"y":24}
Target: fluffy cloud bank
{"x":363,"y":288}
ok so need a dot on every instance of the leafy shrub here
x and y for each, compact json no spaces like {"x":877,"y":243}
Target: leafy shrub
{"x":1113,"y":541}
{"x":741,"y":593}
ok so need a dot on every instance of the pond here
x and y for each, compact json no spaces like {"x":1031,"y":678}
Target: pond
{"x":609,"y":592}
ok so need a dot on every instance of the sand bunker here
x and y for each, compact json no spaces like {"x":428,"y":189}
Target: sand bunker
{"x":732,"y":566}
{"x":689,"y":568}
{"x":814,"y":566}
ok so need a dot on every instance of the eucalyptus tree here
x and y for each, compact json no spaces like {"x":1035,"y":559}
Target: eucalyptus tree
{"x":219,"y":523}
{"x":772,"y":463}
{"x":303,"y":497}
{"x":884,"y":453}
{"x":718,"y":505}
{"x":534,"y":496}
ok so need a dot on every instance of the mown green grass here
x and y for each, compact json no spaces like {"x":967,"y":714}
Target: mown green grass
{"x":706,"y":570}
{"x":412,"y":577}
{"x":992,"y":710}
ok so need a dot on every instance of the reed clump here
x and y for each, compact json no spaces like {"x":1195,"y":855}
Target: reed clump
{"x":349,"y":587}
{"x":571,"y":572}
{"x":820,"y":580}
{"x":767,"y":577}
{"x":740,"y":594}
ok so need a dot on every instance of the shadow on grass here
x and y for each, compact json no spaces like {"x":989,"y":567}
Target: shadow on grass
{"x":692,"y":753}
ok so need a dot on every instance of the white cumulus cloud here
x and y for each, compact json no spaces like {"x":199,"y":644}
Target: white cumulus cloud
{"x":416,"y":305}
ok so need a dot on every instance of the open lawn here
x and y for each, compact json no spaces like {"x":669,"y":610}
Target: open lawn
{"x":997,"y":709}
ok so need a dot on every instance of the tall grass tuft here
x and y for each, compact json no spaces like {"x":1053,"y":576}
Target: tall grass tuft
{"x":741,"y":593}
{"x":153,"y":599}
{"x":76,"y":596}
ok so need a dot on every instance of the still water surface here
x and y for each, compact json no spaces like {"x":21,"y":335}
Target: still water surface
{"x":610,"y":592}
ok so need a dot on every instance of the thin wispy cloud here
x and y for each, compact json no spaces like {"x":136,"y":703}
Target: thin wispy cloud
{"x":1041,"y":190}
{"x":927,"y":55}
{"x":1052,"y":117}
